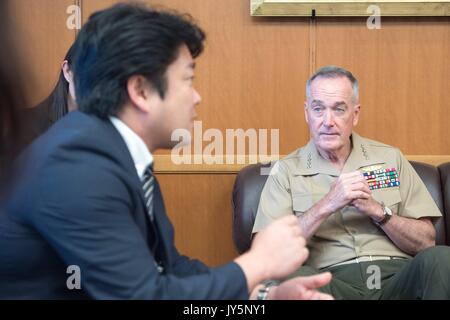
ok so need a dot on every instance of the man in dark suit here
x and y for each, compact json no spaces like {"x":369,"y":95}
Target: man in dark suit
{"x":85,"y":217}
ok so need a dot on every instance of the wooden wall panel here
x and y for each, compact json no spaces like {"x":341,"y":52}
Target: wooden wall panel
{"x":44,"y":39}
{"x":199,"y":206}
{"x":253,"y":70}
{"x":403,"y":69}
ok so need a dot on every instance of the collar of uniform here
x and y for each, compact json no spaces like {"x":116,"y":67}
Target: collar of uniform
{"x":312,"y":163}
{"x":361,"y":155}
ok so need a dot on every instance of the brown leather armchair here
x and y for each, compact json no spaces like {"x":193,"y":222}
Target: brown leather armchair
{"x":249,"y":184}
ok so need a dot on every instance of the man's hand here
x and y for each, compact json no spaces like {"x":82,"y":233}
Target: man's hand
{"x":347,"y":188}
{"x":302,"y":288}
{"x":280,"y":247}
{"x":276,"y":251}
{"x":370,"y":207}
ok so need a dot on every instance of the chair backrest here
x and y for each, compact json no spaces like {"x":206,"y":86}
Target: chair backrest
{"x":444,"y":170}
{"x":430,"y":176}
{"x":250,"y":182}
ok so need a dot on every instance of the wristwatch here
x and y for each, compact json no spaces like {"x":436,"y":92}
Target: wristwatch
{"x":387,"y":215}
{"x":263,"y":292}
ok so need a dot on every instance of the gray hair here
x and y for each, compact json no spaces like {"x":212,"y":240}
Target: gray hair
{"x":333,"y":72}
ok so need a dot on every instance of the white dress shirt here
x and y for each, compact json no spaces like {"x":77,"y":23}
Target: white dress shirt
{"x":137,"y":147}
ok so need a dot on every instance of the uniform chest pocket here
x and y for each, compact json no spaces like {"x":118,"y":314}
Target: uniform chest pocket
{"x":302,"y":202}
{"x":389,"y":196}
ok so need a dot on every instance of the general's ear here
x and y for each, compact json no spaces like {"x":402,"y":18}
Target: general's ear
{"x":306,"y":111}
{"x":356,"y":113}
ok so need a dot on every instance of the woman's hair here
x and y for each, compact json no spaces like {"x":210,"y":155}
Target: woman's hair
{"x":57,"y":101}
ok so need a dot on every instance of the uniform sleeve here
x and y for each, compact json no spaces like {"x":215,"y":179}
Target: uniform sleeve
{"x":416,"y":200}
{"x":276,"y":198}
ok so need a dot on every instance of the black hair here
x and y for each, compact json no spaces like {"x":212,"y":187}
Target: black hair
{"x":58,"y":99}
{"x":126,"y":40}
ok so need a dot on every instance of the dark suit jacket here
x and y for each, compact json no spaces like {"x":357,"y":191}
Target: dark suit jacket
{"x":78,"y":201}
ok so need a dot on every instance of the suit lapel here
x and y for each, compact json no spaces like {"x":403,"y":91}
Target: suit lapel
{"x":127,"y":163}
{"x":152,"y":231}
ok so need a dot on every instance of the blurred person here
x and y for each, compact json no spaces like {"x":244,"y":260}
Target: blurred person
{"x":11,"y":96}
